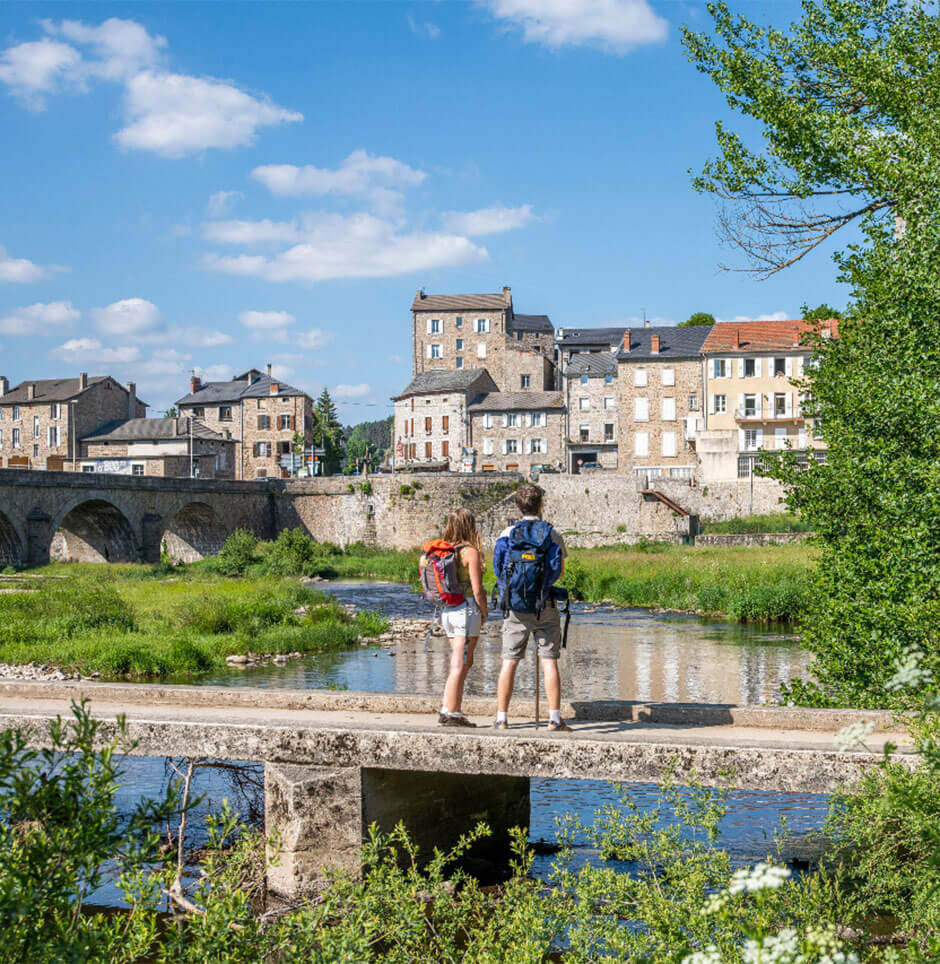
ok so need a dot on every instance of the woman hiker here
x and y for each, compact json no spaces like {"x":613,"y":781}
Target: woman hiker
{"x":462,"y":623}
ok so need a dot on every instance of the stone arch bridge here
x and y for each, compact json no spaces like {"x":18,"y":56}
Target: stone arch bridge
{"x":85,"y":517}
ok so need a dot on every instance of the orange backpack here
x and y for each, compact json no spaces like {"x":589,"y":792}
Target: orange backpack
{"x":439,"y":578}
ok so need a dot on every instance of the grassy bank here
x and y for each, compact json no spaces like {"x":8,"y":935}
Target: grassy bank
{"x":143,"y":621}
{"x":773,"y":522}
{"x":750,"y":584}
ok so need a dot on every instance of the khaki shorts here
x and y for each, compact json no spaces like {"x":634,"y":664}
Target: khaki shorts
{"x":546,"y":629}
{"x":463,"y":620}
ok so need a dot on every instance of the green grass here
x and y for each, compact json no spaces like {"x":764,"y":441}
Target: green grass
{"x":150,"y":621}
{"x":773,"y":522}
{"x":749,"y":584}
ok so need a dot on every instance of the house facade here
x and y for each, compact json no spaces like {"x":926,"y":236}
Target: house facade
{"x":431,"y":424}
{"x":514,"y":431}
{"x":592,"y":405}
{"x":259,"y":412}
{"x":161,"y":447}
{"x":661,"y":400}
{"x":42,"y":421}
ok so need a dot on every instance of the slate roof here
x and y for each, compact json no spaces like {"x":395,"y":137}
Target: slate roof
{"x":531,"y":323}
{"x":458,"y":302}
{"x":734,"y":336}
{"x":214,"y":393}
{"x":592,"y":363}
{"x":150,"y":429}
{"x":576,"y":337}
{"x":514,"y":401}
{"x":49,"y":389}
{"x":441,"y":380}
{"x":675,"y":341}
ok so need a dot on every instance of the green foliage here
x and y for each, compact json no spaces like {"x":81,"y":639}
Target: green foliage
{"x":293,"y":553}
{"x":820,"y":313}
{"x":366,"y":488}
{"x":772,"y":522}
{"x":328,"y":433}
{"x":699,"y":318}
{"x":237,"y":553}
{"x":405,"y":489}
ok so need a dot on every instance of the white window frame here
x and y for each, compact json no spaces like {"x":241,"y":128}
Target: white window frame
{"x":584,"y":404}
{"x":481,"y":349}
{"x":537,"y":419}
{"x":609,"y":403}
{"x":668,"y":442}
{"x":437,"y":351}
{"x":510,"y":420}
{"x":641,"y":444}
{"x":488,"y":420}
{"x":641,"y":409}
{"x":487,"y":446}
{"x":613,"y":431}
{"x":482,"y":326}
{"x":639,"y":378}
{"x":721,"y":368}
{"x":669,"y":376}
{"x":668,"y":413}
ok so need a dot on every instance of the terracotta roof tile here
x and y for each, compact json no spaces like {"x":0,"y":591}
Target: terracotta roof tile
{"x":761,"y":335}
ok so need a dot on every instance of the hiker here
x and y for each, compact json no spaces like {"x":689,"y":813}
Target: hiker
{"x":528,"y":559}
{"x":456,"y":558}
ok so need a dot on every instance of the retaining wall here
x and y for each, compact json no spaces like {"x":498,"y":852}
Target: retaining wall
{"x":751,"y":538}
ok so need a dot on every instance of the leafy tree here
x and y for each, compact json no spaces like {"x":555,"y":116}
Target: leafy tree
{"x":820,"y":313}
{"x":328,"y":433}
{"x":699,"y":318}
{"x":846,"y":101}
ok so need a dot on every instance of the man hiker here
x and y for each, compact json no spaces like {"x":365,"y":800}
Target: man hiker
{"x":528,"y":559}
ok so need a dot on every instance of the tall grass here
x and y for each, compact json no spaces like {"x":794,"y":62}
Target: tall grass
{"x":772,"y":522}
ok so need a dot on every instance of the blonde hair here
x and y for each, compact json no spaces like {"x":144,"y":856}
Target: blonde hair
{"x":462,"y":527}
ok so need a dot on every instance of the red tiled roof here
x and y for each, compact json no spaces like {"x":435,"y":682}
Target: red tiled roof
{"x":762,"y":335}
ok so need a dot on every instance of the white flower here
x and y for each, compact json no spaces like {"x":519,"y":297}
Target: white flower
{"x":762,"y":876}
{"x":715,"y":902}
{"x":708,"y":956}
{"x":782,"y":948}
{"x":854,"y":734}
{"x":909,"y":674}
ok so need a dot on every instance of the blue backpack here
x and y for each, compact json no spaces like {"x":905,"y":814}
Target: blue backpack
{"x":530,"y":563}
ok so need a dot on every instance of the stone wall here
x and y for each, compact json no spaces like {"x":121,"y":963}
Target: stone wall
{"x":751,"y":538}
{"x":718,"y":501}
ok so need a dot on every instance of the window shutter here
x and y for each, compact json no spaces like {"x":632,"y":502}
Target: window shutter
{"x":757,"y":366}
{"x":788,"y":404}
{"x":798,"y":404}
{"x":788,"y":366}
{"x":505,"y":446}
{"x":711,"y":404}
{"x":543,"y":445}
{"x":759,"y":401}
{"x":760,"y":438}
{"x":740,"y":368}
{"x":528,"y":446}
{"x":429,"y":347}
{"x":429,"y":325}
{"x":799,"y":366}
{"x":740,"y":402}
{"x":740,"y":439}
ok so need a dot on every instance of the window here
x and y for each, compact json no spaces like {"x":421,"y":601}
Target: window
{"x":669,"y":443}
{"x":199,"y":412}
{"x":264,"y":422}
{"x":639,"y":377}
{"x":16,"y":413}
{"x":459,"y":322}
{"x":608,"y":379}
{"x":511,"y":446}
{"x":641,"y":443}
{"x":53,"y":436}
{"x":780,"y":438}
{"x":751,"y":439}
{"x":669,"y":376}
{"x":435,"y":328}
{"x":720,"y":368}
{"x":510,"y":420}
{"x":262,"y":450}
{"x":693,"y":403}
{"x":780,"y":367}
{"x":609,"y":403}
{"x":460,"y":344}
{"x":36,"y":430}
{"x":88,"y":468}
{"x":35,"y":451}
{"x":427,"y":450}
{"x":16,"y":438}
{"x":584,"y":379}
{"x":535,"y":446}
{"x":445,"y":450}
{"x":427,"y":425}
{"x":641,"y":409}
{"x":781,"y":408}
{"x":225,"y":413}
{"x":487,"y":446}
{"x":458,"y":363}
{"x":445,"y":423}
{"x":608,"y":431}
{"x":483,"y":326}
{"x":524,"y":381}
{"x":1,"y":414}
{"x":481,"y":350}
{"x":719,"y":404}
{"x":518,"y":336}
{"x":284,"y":448}
{"x":488,"y":420}
{"x":750,"y":367}
{"x":137,"y":468}
{"x":436,"y":351}
{"x":261,"y":473}
{"x":584,"y":403}
{"x":285,"y":399}
{"x":669,"y":410}
{"x":801,"y":438}
{"x":285,"y":422}
{"x":584,"y":432}
{"x":749,"y":409}
{"x":260,"y":403}
{"x":55,"y":410}
{"x":537,"y":419}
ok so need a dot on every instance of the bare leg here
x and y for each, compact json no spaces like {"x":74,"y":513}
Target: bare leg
{"x":552,"y":683}
{"x":467,"y":663}
{"x":453,"y":688}
{"x":507,"y":678}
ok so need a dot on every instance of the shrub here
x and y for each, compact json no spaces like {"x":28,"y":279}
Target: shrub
{"x":405,"y":489}
{"x":237,"y":553}
{"x":366,"y":488}
{"x":292,"y":554}
{"x":622,"y":527}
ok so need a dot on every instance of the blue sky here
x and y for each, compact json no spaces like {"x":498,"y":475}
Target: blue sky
{"x":213,"y":186}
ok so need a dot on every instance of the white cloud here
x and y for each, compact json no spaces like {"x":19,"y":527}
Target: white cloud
{"x":353,"y":246}
{"x":39,"y":319}
{"x":251,"y":232}
{"x":616,"y":25}
{"x":425,"y":27}
{"x":379,"y":180}
{"x":266,"y":320}
{"x":492,"y":220}
{"x":314,"y":338}
{"x":132,"y":316}
{"x":171,"y":114}
{"x":351,"y":391}
{"x":85,"y":350}
{"x":199,"y":337}
{"x":166,"y":361}
{"x":215,"y":373}
{"x":773,"y":316}
{"x":19,"y":269}
{"x":281,"y":370}
{"x":222,"y":201}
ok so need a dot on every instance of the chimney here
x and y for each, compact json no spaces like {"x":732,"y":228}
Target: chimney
{"x":195,"y":384}
{"x":507,"y":295}
{"x":4,"y":385}
{"x":275,"y":388}
{"x":83,"y":381}
{"x":654,"y":344}
{"x":626,"y":340}
{"x":269,"y":369}
{"x":421,"y":295}
{"x":31,"y":391}
{"x":737,"y":337}
{"x":131,"y":400}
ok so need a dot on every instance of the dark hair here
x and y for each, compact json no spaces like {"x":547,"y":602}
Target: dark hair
{"x":528,"y":499}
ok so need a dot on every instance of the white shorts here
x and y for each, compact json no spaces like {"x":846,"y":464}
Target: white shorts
{"x":463,"y":620}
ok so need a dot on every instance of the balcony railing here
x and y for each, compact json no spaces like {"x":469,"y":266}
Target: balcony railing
{"x":759,"y":415}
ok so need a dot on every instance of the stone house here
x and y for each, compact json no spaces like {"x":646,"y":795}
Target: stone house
{"x":751,"y":374}
{"x":165,"y":447}
{"x":570,"y":342}
{"x":261,"y":412}
{"x":513,"y":431}
{"x":42,"y":420}
{"x":454,"y":332}
{"x":660,"y":400}
{"x":591,"y":400}
{"x":431,"y":424}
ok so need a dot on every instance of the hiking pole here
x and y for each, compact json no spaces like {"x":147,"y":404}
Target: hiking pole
{"x":536,"y":651}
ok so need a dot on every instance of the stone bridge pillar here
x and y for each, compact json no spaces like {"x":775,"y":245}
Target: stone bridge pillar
{"x":150,"y":532}
{"x":318,"y":817}
{"x":38,"y":537}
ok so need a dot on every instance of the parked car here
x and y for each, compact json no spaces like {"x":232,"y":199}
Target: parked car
{"x":536,"y":470}
{"x":589,"y":465}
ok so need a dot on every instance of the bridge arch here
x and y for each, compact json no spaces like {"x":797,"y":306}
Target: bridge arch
{"x":94,"y":530}
{"x":196,"y":531}
{"x":11,"y":545}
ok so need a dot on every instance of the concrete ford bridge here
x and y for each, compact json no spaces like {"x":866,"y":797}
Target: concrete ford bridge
{"x":337,"y":762}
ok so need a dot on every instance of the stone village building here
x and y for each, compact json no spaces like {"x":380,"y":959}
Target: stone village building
{"x":180,"y":447}
{"x":514,"y":431}
{"x":260,"y":412}
{"x":591,"y":404}
{"x":42,"y":420}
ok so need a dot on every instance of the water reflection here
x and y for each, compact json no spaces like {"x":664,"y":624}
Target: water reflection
{"x":612,"y":654}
